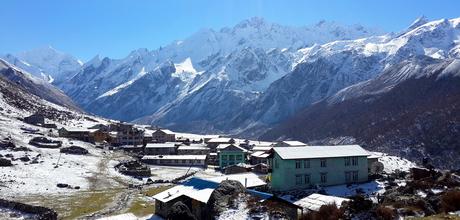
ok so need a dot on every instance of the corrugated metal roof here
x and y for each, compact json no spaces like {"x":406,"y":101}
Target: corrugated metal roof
{"x":320,"y":151}
{"x":315,"y":201}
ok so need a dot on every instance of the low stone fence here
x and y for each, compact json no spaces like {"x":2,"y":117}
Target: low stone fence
{"x":40,"y":212}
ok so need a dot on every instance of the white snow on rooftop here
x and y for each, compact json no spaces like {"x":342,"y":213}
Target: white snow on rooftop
{"x":219,"y":140}
{"x":174,"y":157}
{"x":252,"y":179}
{"x":193,"y":147}
{"x":315,"y":201}
{"x":162,"y":145}
{"x":201,"y":189}
{"x":293,"y":143}
{"x":320,"y":151}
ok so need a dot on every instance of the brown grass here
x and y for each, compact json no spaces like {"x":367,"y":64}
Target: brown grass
{"x":450,"y":201}
{"x":385,"y":213}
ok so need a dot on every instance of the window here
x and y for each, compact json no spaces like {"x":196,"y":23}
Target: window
{"x":231,"y":157}
{"x":239,"y":157}
{"x":184,"y":161}
{"x":306,"y":163}
{"x":323,"y":163}
{"x":306,"y":179}
{"x":298,"y":179}
{"x":298,"y":164}
{"x":348,"y":177}
{"x":224,"y":157}
{"x":354,"y":161}
{"x":355,"y":176}
{"x":323,"y":177}
{"x":347,"y":161}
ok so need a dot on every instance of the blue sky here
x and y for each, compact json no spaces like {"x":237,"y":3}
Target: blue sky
{"x":113,"y":28}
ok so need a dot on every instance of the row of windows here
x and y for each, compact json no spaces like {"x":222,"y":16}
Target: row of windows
{"x":232,"y":157}
{"x":349,"y":161}
{"x":179,"y":161}
{"x":305,"y":179}
{"x":354,"y":161}
{"x":351,"y":176}
{"x":306,"y":163}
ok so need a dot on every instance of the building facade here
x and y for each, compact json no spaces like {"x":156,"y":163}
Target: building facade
{"x":167,"y":148}
{"x":176,"y":160}
{"x":230,"y":154}
{"x":305,"y":167}
{"x":163,"y":135}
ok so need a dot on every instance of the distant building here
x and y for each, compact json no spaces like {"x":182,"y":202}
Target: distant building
{"x":35,"y":119}
{"x":230,"y":154}
{"x":305,"y":167}
{"x":76,"y":133}
{"x":193,"y":149}
{"x":129,"y":135}
{"x":163,"y":135}
{"x":176,"y":160}
{"x":237,"y":168}
{"x":214,"y":142}
{"x":289,"y":144}
{"x":167,"y":148}
{"x":259,"y":157}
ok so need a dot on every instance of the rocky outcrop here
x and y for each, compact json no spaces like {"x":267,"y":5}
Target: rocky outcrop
{"x":224,"y":196}
{"x":5,"y":162}
{"x":179,"y":211}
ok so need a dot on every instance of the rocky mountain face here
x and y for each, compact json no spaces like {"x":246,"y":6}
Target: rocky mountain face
{"x":411,"y":109}
{"x":46,"y":63}
{"x":33,"y":85}
{"x":208,"y":75}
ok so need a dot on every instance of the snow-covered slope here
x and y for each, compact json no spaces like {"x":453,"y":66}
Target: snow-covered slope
{"x":323,"y":70}
{"x":46,"y":63}
{"x":237,"y":63}
{"x":35,"y":85}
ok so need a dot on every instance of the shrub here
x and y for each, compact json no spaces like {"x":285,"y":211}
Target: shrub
{"x":359,"y":204}
{"x":330,"y":212}
{"x":384,"y":213}
{"x":450,"y":201}
{"x":325,"y":212}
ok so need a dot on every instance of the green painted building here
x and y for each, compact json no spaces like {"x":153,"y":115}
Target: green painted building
{"x":230,"y":154}
{"x":308,"y":166}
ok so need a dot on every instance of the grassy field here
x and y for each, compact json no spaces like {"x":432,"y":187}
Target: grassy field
{"x":141,"y":205}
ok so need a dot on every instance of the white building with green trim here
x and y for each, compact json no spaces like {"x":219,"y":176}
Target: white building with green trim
{"x":308,"y":166}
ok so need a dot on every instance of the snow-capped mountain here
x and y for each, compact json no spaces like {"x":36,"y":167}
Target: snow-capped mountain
{"x":411,"y":109}
{"x":35,"y":86}
{"x":47,"y":63}
{"x":239,"y":62}
{"x":323,"y":70}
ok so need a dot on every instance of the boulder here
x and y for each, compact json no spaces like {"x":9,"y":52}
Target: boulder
{"x":5,"y":162}
{"x":62,"y":185}
{"x":224,"y":196}
{"x":179,"y":211}
{"x":74,"y":150}
{"x":24,"y":159}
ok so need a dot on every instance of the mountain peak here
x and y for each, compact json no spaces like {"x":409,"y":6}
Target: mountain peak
{"x":254,"y":22}
{"x":418,"y":22}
